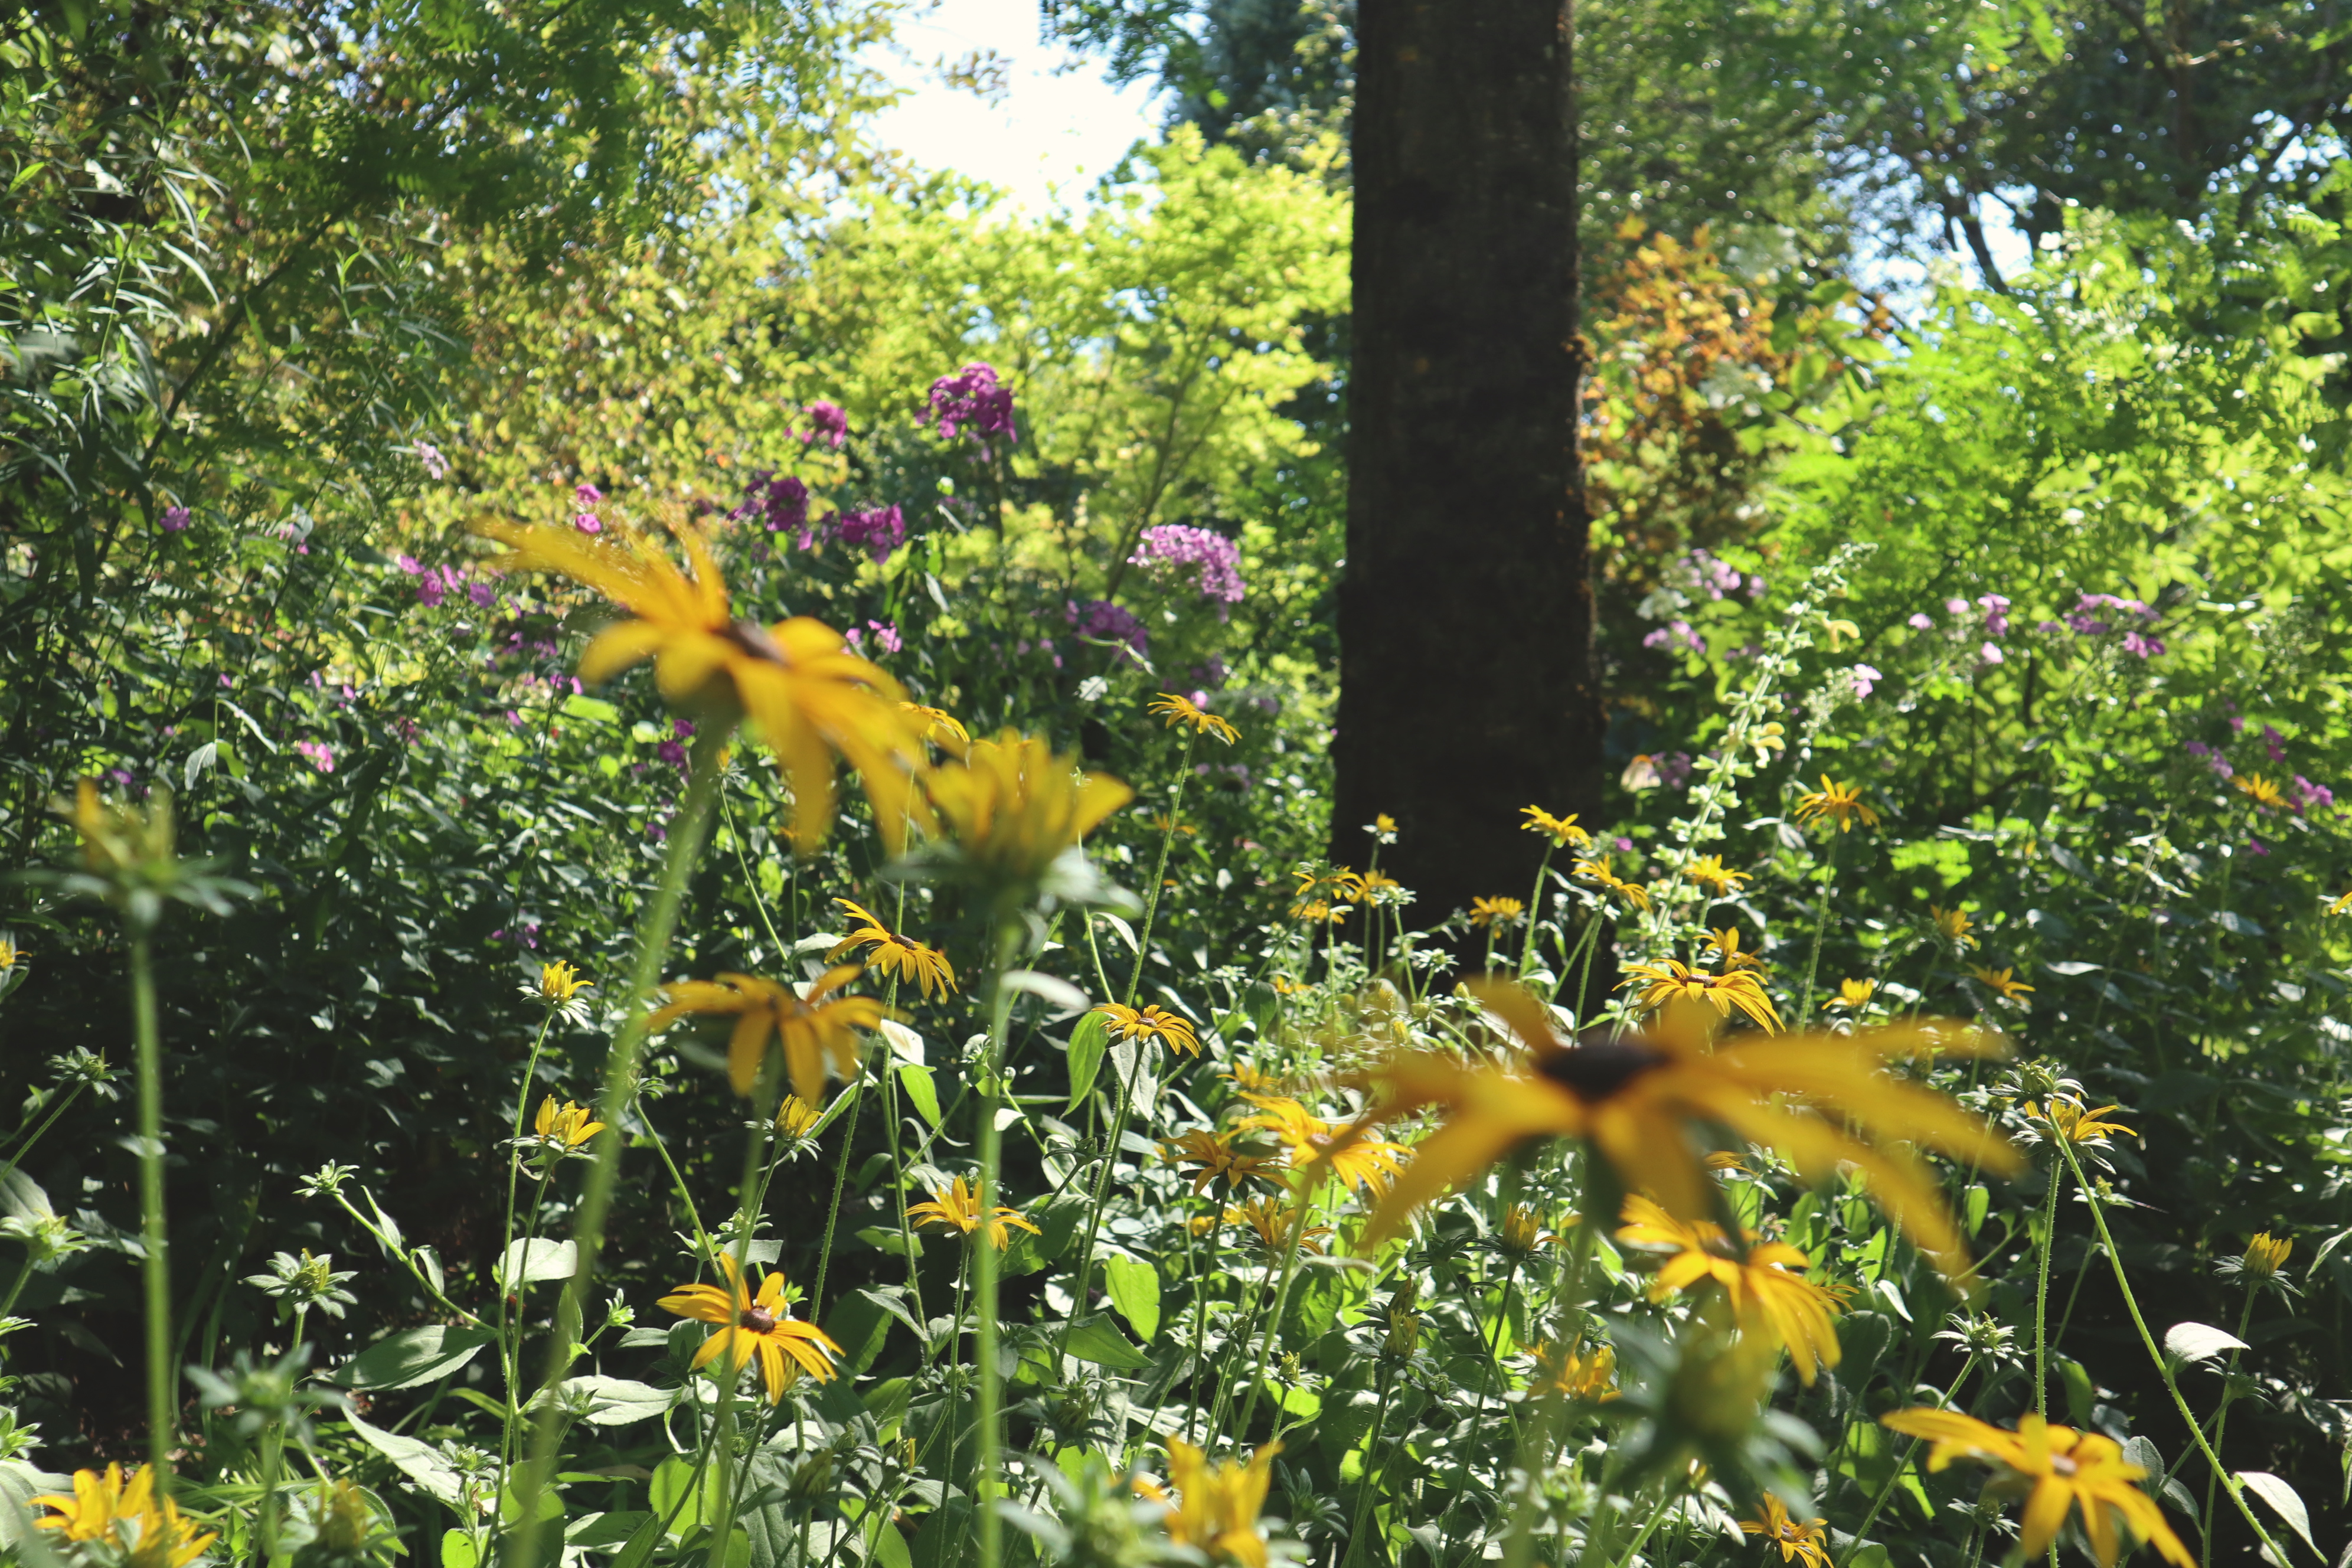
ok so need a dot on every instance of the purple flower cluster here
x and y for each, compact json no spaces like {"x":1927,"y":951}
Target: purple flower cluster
{"x":1675,"y":633}
{"x":175,"y":519}
{"x":2083,"y":620}
{"x":435,"y":584}
{"x":1101,"y":619}
{"x":878,"y":532}
{"x":972,"y":400}
{"x":1215,"y":559}
{"x":828,"y":422}
{"x":436,"y":467}
{"x":318,"y":754}
{"x":673,"y":750}
{"x":781,"y":500}
{"x":1701,"y":572}
{"x":1863,"y":680}
{"x":885,"y":637}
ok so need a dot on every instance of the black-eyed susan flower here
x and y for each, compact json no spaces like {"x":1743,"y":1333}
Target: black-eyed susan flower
{"x":1210,"y":1157}
{"x":751,"y":1325}
{"x":1215,"y":1507}
{"x":1765,"y":1284}
{"x":1834,"y":801}
{"x":2058,"y":1471}
{"x":2002,"y":982}
{"x":2261,"y":791}
{"x":1311,"y":1141}
{"x":1337,"y":884}
{"x":10,"y":954}
{"x":1274,"y":1221}
{"x":811,"y":698}
{"x":1561,"y":831}
{"x":565,"y":1127}
{"x":558,"y":982}
{"x":939,"y":727}
{"x":126,"y":1515}
{"x":1010,"y":811}
{"x":1378,"y":888}
{"x":1669,"y":980}
{"x":796,"y":1117}
{"x":1576,"y":1372}
{"x":1146,"y":1026}
{"x":1799,"y":1540}
{"x":2259,"y":1265}
{"x":2064,"y":1118}
{"x":1953,"y":925}
{"x":956,"y":1208}
{"x":1725,"y":948}
{"x":2342,"y":902}
{"x":1598,"y":871}
{"x":1522,"y":1230}
{"x":1497,"y":914}
{"x":1183,"y":710}
{"x":894,"y":953}
{"x":1817,"y":1099}
{"x":1315,"y":913}
{"x":1712,"y":874}
{"x":816,"y":1031}
{"x":1852,"y":996}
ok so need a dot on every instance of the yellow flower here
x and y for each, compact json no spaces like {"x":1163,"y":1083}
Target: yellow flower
{"x":1805,"y":1543}
{"x":1598,"y":870}
{"x":2077,"y":1126}
{"x":813,"y":1030}
{"x":1953,"y":925}
{"x":126,"y":1515}
{"x":1561,"y":831}
{"x":1383,"y":828}
{"x":1853,"y":995}
{"x":956,"y":1206}
{"x":560,"y":983}
{"x":2057,"y":1470}
{"x":1243,"y":1076}
{"x":2259,"y":790}
{"x":1013,"y":805}
{"x":1672,"y":981}
{"x":8,"y":954}
{"x":1217,"y":1157}
{"x":1766,"y":740}
{"x":1319,"y":913}
{"x":1729,"y":954}
{"x":1125,"y":1023}
{"x":1590,"y":1375}
{"x":1766,"y":1285}
{"x":1215,"y":1508}
{"x":1841,"y":804}
{"x":1522,"y":1229}
{"x":1272,"y":1221}
{"x":1494,"y":914}
{"x":1634,"y":1097}
{"x":1357,"y":1161}
{"x":750,"y":1325}
{"x":2265,"y":1256}
{"x":811,"y":696}
{"x":565,"y":1127}
{"x":892,"y":953}
{"x":1712,"y":873}
{"x":1998,"y":980}
{"x":796,"y":1117}
{"x":2342,"y":902}
{"x":1183,"y":710}
{"x":1374,"y":886}
{"x":1339,"y":884}
{"x":939,"y":727}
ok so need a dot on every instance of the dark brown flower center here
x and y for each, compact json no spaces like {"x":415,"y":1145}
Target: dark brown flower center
{"x":1597,"y":1067}
{"x":753,"y":639}
{"x":758,"y":1320}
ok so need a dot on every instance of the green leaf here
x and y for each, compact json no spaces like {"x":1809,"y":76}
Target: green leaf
{"x":917,"y":1082}
{"x":891,"y":1549}
{"x":606,"y":1531}
{"x":1086,"y":1043}
{"x":533,"y":1258}
{"x":673,"y":1492}
{"x":412,"y":1357}
{"x":1978,"y":1203}
{"x":458,"y":1550}
{"x":1134,"y":1286}
{"x":420,"y":1462}
{"x":617,"y":1400}
{"x":596,"y":710}
{"x":1098,"y":1340}
{"x":2284,"y":1501}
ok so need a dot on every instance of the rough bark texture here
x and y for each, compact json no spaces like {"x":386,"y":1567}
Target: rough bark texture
{"x":1465,"y":609}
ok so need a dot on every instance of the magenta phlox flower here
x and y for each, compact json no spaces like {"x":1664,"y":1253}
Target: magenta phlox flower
{"x":175,"y":519}
{"x":588,"y":522}
{"x":1212,"y":674}
{"x":409,"y":564}
{"x":2255,"y":845}
{"x":1990,"y":653}
{"x":974,"y":402}
{"x":1920,"y":620}
{"x":2046,"y":626}
{"x":2309,"y":795}
{"x":2274,"y":743}
{"x":1675,"y":633}
{"x":586,"y":494}
{"x":1996,"y":613}
{"x":780,"y":501}
{"x":1214,"y":559}
{"x":878,"y":532}
{"x":318,"y":754}
{"x":1864,"y":678}
{"x":1105,"y":622}
{"x":828,"y":422}
{"x":1956,"y":606}
{"x":2141,"y":645}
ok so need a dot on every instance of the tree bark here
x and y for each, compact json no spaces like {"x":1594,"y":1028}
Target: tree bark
{"x":1467,"y":689}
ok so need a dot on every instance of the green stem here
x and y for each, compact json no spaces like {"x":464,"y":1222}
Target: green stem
{"x":2220,"y":1424}
{"x":1281,"y":1301}
{"x":2042,"y":1288}
{"x":984,"y":1253}
{"x":1097,"y":1200}
{"x":510,"y":1350}
{"x":1367,"y":1486}
{"x":1206,"y":1273}
{"x":1159,"y":868}
{"x":1820,"y":930}
{"x":1657,"y":1517}
{"x":1886,"y":1488}
{"x":17,"y":1158}
{"x":2156,"y":1354}
{"x":156,"y":1267}
{"x":1535,"y":906}
{"x":687,"y":830}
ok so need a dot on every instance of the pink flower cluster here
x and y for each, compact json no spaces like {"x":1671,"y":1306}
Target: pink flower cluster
{"x":436,"y":467}
{"x":885,"y":637}
{"x":2082,"y":621}
{"x":878,"y":532}
{"x":318,"y":754}
{"x":435,"y":584}
{"x":781,"y":501}
{"x":1215,"y":559}
{"x":972,"y":400}
{"x":1675,"y":633}
{"x":828,"y":422}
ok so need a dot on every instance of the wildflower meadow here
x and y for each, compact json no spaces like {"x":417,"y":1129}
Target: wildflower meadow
{"x":674,"y":896}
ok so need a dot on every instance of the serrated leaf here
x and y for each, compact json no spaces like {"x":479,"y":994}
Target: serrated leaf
{"x":1088,"y":1041}
{"x":2284,"y":1501}
{"x":2198,"y":1341}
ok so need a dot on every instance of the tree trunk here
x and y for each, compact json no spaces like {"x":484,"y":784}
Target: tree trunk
{"x":1466,"y":606}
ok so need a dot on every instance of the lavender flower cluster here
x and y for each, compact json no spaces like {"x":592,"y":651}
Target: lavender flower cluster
{"x":1101,"y":619}
{"x":1700,"y":572}
{"x":1214,"y":559}
{"x":780,"y":501}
